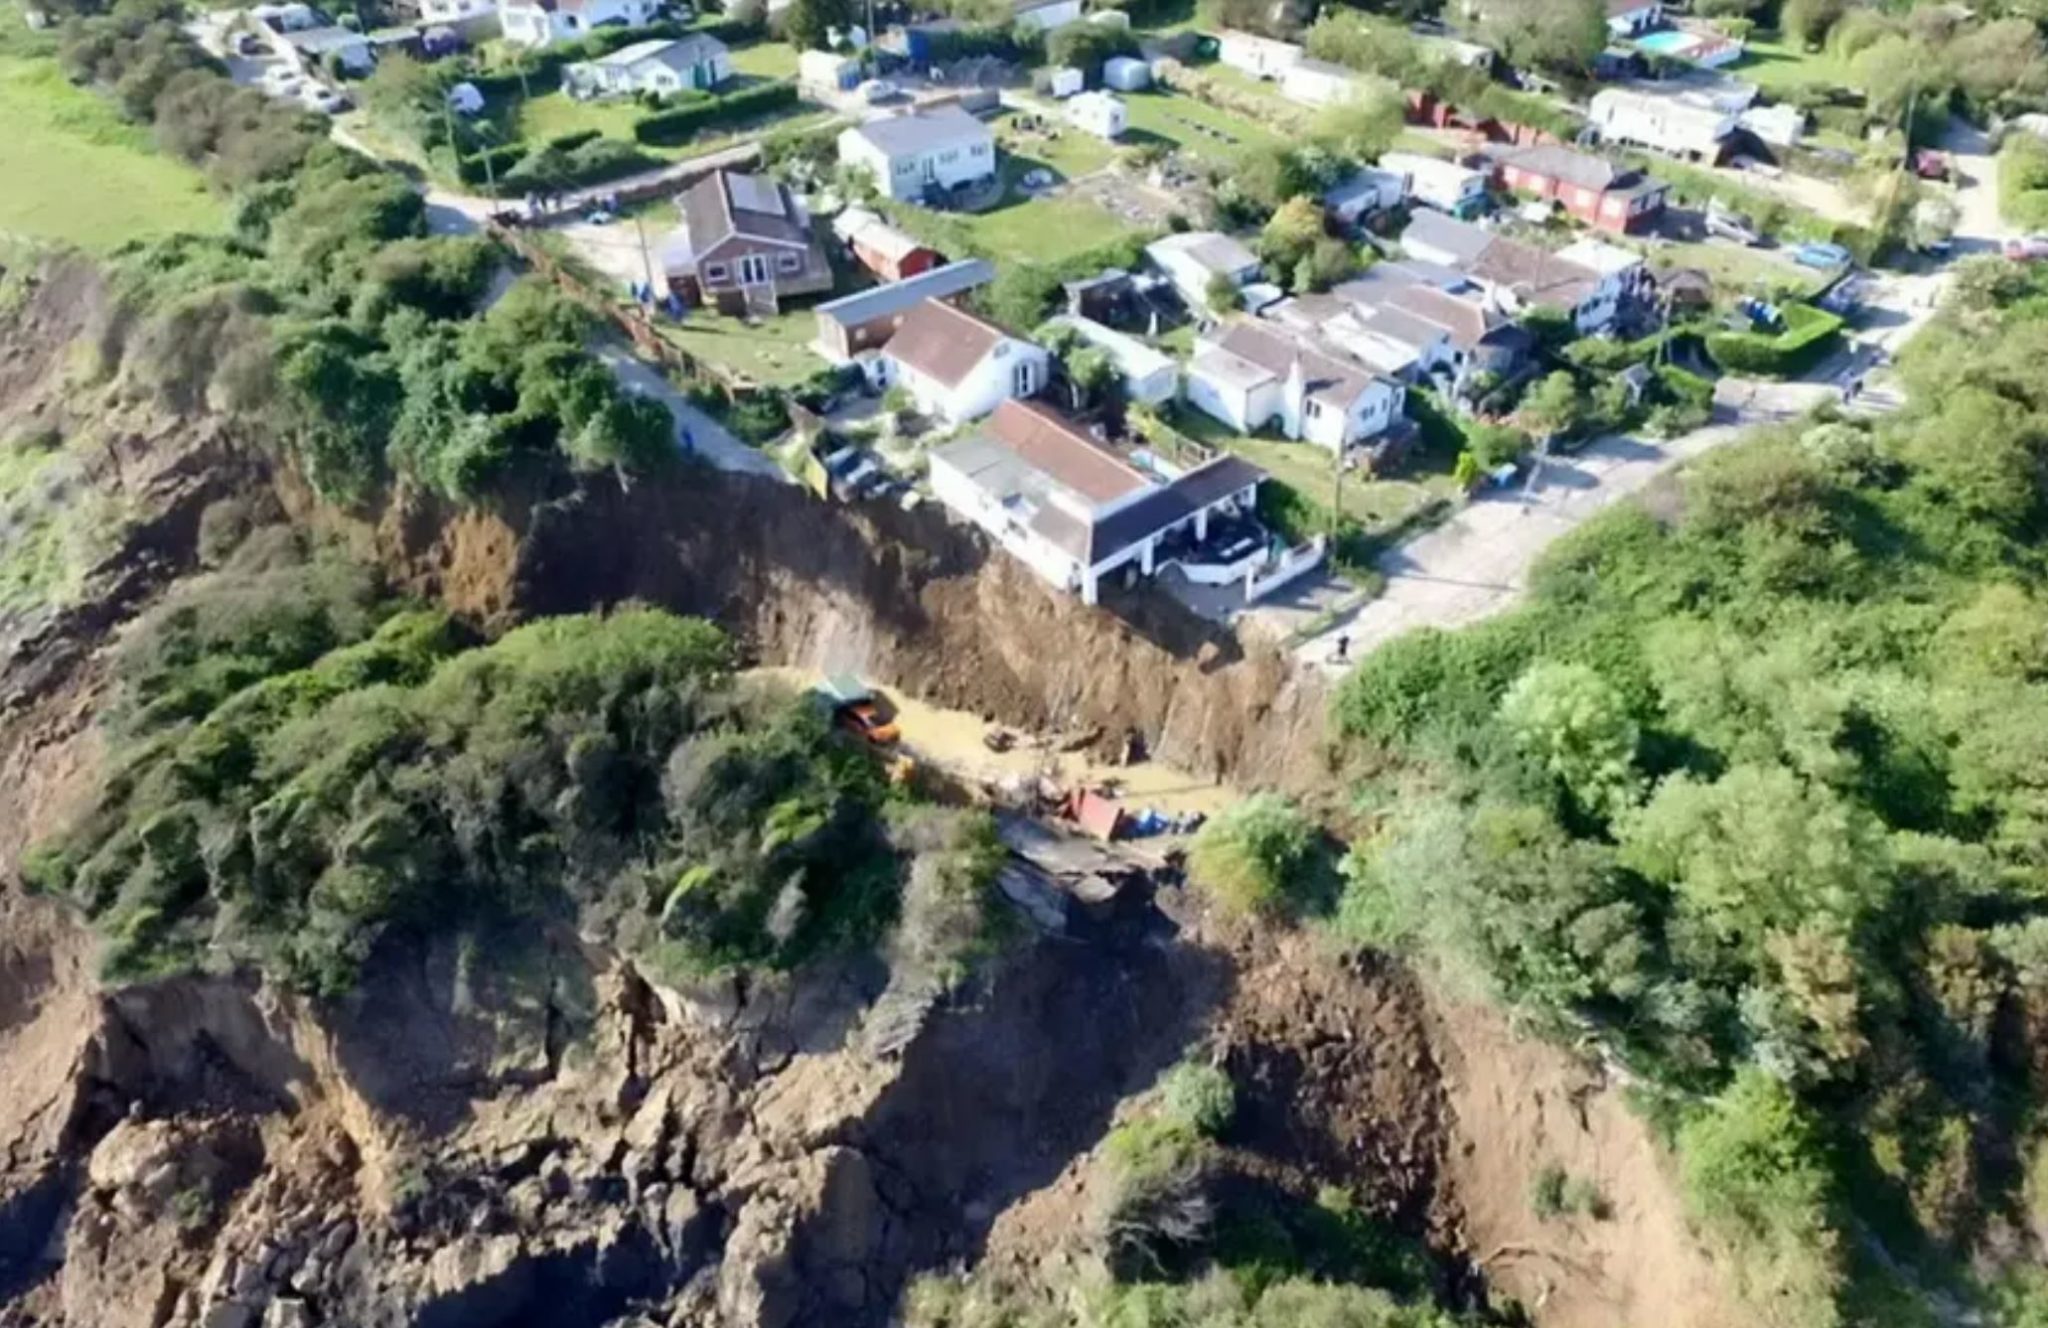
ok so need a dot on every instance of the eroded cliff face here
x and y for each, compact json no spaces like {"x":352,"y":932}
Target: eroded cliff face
{"x":510,"y":1129}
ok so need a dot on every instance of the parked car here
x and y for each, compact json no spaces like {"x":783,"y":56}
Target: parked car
{"x":2027,"y":248}
{"x":1731,"y":226}
{"x":320,"y":97}
{"x":856,"y":709}
{"x":878,"y":90}
{"x":1930,"y":164}
{"x":1821,"y":254}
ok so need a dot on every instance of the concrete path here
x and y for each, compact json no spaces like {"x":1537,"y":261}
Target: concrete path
{"x":709,"y":441}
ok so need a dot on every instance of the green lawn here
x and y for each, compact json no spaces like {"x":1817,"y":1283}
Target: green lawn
{"x":557,"y":113}
{"x":770,"y":350}
{"x":76,"y":172}
{"x":1375,"y":504}
{"x":1045,"y":230}
{"x":766,"y":59}
{"x":1739,"y":271}
{"x":1196,"y":126}
{"x":1779,"y":67}
{"x":1067,"y":150}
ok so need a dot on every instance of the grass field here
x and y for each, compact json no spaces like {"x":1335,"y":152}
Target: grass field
{"x":557,"y":113}
{"x":1779,"y":67}
{"x":1065,"y":149}
{"x":1375,"y":504}
{"x":1046,"y":230}
{"x":768,"y":59}
{"x":769,"y":350}
{"x":75,"y":171}
{"x":1196,"y":126}
{"x":1736,"y":269}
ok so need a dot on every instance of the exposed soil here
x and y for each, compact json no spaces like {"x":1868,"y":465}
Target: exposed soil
{"x":546,"y":1138}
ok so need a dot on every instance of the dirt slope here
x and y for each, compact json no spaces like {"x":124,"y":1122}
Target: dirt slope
{"x":547,"y":1138}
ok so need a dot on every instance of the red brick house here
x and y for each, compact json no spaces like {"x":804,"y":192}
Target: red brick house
{"x":1600,"y":193}
{"x":745,"y":243}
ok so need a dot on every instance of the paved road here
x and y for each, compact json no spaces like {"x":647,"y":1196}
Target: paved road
{"x":1478,"y":563}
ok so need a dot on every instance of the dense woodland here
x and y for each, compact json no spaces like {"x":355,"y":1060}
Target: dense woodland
{"x":1753,"y":792}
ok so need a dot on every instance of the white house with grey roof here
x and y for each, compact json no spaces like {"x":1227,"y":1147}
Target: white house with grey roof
{"x":537,"y":23}
{"x":1075,"y":512}
{"x":1519,"y":277}
{"x":657,"y":68}
{"x":1252,"y":375}
{"x":1191,"y":260}
{"x":920,"y":152}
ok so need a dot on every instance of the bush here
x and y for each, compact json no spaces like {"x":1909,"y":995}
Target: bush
{"x":2023,"y":181}
{"x":1154,"y":1204}
{"x":668,"y":128}
{"x":1199,"y":1097}
{"x":1809,"y":332}
{"x":1257,"y":857}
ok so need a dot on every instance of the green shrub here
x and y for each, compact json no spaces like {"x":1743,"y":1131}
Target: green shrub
{"x":667,"y":128}
{"x":1153,"y":1208}
{"x":1199,"y":1097}
{"x":1257,"y":857}
{"x":1809,"y":333}
{"x":2023,"y":181}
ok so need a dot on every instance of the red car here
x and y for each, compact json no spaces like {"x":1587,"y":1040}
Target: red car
{"x":1929,"y":164}
{"x":2027,"y":248}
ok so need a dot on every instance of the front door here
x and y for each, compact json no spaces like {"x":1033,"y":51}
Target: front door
{"x":753,"y":269}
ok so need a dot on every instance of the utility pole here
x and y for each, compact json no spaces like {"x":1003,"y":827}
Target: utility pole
{"x":646,"y":259}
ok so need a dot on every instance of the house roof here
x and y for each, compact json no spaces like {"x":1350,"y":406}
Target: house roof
{"x":1364,"y":181}
{"x":1132,"y":357}
{"x":679,"y":54}
{"x":882,"y":301}
{"x":942,"y":342}
{"x":1557,"y":162}
{"x":316,"y":41}
{"x":1213,"y":250}
{"x":1463,"y":241}
{"x":1058,"y":449}
{"x":1598,"y":256}
{"x":1204,"y":486}
{"x":728,"y":203}
{"x":924,"y":130}
{"x":1327,"y":378}
{"x":1327,"y":68}
{"x":858,"y":226}
{"x":1536,"y":276}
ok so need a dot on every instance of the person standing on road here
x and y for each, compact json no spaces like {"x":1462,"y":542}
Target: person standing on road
{"x":1343,"y":648}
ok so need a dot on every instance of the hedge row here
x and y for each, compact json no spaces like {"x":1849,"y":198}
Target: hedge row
{"x":2023,"y":181}
{"x":491,"y":163}
{"x":1808,"y":332}
{"x":670,"y":127}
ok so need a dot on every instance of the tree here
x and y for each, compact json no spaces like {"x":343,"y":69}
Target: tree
{"x":1577,"y":726}
{"x":1092,"y":373}
{"x":1363,"y":125}
{"x":1552,"y":407}
{"x":1757,"y":851}
{"x":1221,"y":294}
{"x":1931,"y":222}
{"x":1808,"y":22}
{"x":1562,"y":36}
{"x":1895,"y":70}
{"x":1085,"y":46}
{"x":1290,"y":235}
{"x":407,"y":97}
{"x":630,"y":433}
{"x":809,"y":24}
{"x":1255,"y":857}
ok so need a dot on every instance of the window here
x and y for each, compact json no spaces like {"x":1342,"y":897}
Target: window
{"x":1020,"y":379}
{"x":714,"y":272}
{"x":790,"y":262}
{"x":1315,"y":409}
{"x":951,"y":154}
{"x":979,"y":150}
{"x":753,"y":269}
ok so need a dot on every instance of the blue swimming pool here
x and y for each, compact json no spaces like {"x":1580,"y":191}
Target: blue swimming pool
{"x":1667,"y":43}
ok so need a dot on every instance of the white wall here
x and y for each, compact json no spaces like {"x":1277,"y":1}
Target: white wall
{"x":989,"y":384}
{"x":906,"y":178}
{"x":1050,"y":16}
{"x":973,"y":503}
